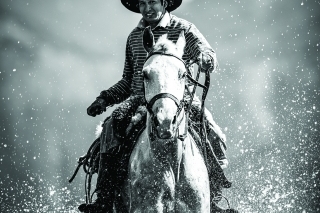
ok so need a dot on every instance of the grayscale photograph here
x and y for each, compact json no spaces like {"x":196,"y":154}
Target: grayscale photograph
{"x":160,"y":106}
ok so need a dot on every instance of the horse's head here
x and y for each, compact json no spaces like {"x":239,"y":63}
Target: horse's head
{"x":164,"y":82}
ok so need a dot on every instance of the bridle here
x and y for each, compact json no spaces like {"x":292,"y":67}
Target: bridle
{"x":180,"y":104}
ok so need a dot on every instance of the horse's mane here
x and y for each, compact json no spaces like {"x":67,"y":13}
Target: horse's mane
{"x":166,"y":46}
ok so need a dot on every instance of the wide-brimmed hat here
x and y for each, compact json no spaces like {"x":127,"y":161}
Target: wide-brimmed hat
{"x":132,"y":5}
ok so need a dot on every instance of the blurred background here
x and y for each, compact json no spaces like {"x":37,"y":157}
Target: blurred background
{"x":56,"y":57}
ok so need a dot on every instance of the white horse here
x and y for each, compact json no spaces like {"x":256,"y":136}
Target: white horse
{"x":167,"y":173}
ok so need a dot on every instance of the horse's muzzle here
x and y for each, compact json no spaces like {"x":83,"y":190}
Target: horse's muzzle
{"x":164,"y":133}
{"x":165,"y":128}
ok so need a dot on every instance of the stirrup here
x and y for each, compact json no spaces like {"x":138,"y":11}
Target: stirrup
{"x":218,"y":209}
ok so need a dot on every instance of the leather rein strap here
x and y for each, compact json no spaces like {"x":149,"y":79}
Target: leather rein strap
{"x":162,"y":53}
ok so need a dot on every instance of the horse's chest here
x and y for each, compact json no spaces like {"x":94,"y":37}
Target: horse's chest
{"x":154,"y":184}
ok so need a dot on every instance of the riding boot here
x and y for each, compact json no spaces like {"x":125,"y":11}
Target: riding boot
{"x":218,"y":144}
{"x":104,"y":187}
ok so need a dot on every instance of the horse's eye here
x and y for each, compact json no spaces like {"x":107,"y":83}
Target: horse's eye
{"x":181,"y":74}
{"x":145,"y":75}
{"x":155,"y":120}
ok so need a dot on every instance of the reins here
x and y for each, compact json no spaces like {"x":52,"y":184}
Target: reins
{"x":88,"y":162}
{"x":205,"y":88}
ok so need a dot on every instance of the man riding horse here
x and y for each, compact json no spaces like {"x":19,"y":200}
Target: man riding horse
{"x":155,"y":14}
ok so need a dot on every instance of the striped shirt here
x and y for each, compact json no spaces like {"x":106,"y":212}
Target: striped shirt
{"x":132,"y":78}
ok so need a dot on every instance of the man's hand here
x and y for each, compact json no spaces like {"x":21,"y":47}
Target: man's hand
{"x":207,"y":62}
{"x":97,"y":107}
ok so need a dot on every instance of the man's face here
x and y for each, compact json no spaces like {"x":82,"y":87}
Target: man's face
{"x":151,"y":10}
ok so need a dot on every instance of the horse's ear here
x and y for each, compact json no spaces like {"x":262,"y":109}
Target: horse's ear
{"x":148,"y":39}
{"x":181,"y":43}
